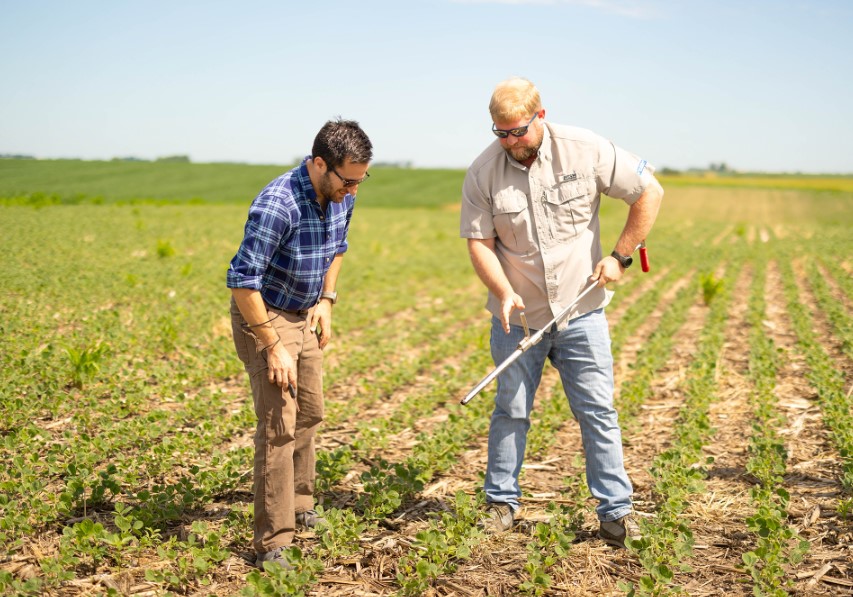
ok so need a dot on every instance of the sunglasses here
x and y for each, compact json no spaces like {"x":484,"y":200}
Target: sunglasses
{"x":347,"y":182}
{"x":519,"y":131}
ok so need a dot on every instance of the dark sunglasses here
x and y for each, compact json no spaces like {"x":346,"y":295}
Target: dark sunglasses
{"x":519,"y":131}
{"x":346,"y":182}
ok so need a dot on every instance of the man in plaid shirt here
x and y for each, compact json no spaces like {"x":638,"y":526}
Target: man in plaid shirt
{"x":283,"y":281}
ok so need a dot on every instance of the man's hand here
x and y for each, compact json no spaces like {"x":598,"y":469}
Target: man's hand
{"x":508,"y":303}
{"x":488,"y":268}
{"x":607,"y":270}
{"x":281,"y":370}
{"x":321,"y":322}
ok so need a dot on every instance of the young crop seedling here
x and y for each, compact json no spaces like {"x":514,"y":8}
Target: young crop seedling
{"x":85,"y":362}
{"x":711,"y":287}
{"x":550,"y":543}
{"x":165,"y":249}
{"x":278,"y":581}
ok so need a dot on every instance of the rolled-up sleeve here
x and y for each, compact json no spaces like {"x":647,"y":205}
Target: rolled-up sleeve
{"x":267,"y":223}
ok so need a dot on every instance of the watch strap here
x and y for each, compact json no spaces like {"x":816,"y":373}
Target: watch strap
{"x":624,"y":260}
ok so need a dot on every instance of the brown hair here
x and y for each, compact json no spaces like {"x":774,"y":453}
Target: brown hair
{"x":340,"y":140}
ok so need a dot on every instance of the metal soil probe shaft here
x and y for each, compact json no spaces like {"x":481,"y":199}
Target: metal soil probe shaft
{"x":526,"y":343}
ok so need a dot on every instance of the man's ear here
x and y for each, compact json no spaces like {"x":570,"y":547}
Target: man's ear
{"x":320,"y":164}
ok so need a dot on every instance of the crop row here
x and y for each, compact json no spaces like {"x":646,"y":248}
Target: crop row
{"x":777,"y":543}
{"x":667,"y":540}
{"x":826,"y":378}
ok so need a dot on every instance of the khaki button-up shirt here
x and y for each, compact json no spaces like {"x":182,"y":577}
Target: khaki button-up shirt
{"x":545,"y":218}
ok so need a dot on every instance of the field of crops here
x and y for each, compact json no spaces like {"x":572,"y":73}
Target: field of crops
{"x":126,"y":421}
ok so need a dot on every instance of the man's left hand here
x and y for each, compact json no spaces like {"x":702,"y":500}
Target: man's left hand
{"x":321,"y":322}
{"x":607,"y":270}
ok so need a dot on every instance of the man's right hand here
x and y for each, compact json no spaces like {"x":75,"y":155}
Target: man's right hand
{"x":510,"y":302}
{"x":489,"y":269}
{"x":281,"y":370}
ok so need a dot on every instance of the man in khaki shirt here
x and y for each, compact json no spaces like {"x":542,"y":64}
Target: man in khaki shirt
{"x":530,"y":213}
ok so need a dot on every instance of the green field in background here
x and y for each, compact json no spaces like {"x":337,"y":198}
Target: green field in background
{"x":76,"y":181}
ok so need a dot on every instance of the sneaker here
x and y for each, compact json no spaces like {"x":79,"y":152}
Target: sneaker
{"x":308,"y":519}
{"x":499,"y":518}
{"x":616,"y":531}
{"x":276,"y":556}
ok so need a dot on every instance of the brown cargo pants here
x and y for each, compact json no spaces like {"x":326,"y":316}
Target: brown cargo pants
{"x":284,"y":437}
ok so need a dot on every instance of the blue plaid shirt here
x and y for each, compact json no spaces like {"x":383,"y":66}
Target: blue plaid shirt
{"x":289,"y":243}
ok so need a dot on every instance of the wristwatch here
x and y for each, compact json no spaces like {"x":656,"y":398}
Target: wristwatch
{"x":624,"y":260}
{"x":332,"y":296}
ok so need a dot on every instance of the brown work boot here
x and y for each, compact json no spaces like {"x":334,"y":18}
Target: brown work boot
{"x":499,"y":518}
{"x":275,"y":556}
{"x":617,"y":531}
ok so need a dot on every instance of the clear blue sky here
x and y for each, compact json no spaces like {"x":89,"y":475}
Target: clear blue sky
{"x":764,"y":85}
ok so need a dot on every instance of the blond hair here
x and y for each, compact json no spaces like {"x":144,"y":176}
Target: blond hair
{"x":513,"y":99}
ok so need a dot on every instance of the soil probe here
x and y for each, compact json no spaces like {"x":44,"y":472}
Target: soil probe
{"x":526,"y":343}
{"x":529,"y":340}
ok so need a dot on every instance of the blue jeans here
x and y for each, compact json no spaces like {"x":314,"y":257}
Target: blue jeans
{"x":581,"y":354}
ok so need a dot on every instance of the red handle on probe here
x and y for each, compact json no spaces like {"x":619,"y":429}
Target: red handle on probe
{"x":644,"y":258}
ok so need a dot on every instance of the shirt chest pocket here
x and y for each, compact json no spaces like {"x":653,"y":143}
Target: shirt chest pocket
{"x":512,"y":222}
{"x":568,"y":209}
{"x":334,"y":234}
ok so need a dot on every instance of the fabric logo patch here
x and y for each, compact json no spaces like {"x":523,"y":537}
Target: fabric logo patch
{"x":568,"y":177}
{"x":641,"y":166}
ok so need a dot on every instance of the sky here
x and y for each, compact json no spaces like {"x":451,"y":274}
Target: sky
{"x":757,"y":85}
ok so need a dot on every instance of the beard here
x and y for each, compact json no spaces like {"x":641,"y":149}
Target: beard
{"x":326,"y":189}
{"x":522,"y":154}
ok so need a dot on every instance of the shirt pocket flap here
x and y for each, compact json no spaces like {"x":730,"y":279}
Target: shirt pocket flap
{"x":566,"y":191}
{"x":510,"y":201}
